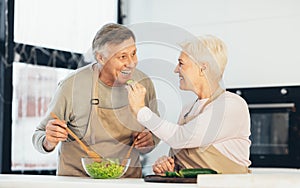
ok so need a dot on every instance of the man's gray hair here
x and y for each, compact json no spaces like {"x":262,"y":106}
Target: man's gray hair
{"x":111,"y":33}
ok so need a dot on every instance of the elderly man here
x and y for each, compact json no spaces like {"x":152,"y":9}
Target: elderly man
{"x":93,"y":103}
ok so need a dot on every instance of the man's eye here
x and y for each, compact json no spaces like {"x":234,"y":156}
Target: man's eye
{"x":133,"y":54}
{"x":122,"y":57}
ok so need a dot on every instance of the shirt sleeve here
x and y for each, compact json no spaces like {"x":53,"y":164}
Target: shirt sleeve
{"x":212,"y":126}
{"x":177,"y":136}
{"x":57,"y":105}
{"x":151,"y":102}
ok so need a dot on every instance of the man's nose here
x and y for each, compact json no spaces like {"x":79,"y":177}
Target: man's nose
{"x":131,"y":62}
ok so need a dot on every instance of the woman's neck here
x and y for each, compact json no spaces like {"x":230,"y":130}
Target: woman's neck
{"x":208,"y":92}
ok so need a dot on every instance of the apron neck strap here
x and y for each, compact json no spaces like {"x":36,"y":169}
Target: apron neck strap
{"x":95,"y":96}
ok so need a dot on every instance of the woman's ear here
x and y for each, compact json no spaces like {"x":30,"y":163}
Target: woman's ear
{"x":204,"y":66}
{"x":200,"y":70}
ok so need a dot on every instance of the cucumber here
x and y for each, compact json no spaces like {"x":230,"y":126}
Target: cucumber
{"x":190,"y":172}
{"x":172,"y":174}
{"x":193,"y":172}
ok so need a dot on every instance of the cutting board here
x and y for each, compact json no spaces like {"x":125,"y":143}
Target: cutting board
{"x":164,"y":179}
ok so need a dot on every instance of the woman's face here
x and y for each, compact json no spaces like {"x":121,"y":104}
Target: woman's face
{"x":189,"y":73}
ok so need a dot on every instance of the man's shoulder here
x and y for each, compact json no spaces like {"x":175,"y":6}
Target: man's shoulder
{"x":138,"y":73}
{"x":81,"y":74}
{"x":142,"y":78}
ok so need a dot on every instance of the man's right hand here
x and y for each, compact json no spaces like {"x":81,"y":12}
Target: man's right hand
{"x":163,"y":164}
{"x":55,"y":132}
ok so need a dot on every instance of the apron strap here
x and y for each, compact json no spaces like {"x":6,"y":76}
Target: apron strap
{"x":95,"y":96}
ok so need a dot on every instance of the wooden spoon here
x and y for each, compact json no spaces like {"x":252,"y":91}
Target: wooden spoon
{"x":90,"y":153}
{"x":124,"y":161}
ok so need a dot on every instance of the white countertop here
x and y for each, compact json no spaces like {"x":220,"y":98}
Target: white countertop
{"x":47,"y":181}
{"x":260,"y":177}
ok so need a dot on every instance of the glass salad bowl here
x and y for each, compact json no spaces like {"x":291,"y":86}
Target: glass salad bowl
{"x":109,"y":168}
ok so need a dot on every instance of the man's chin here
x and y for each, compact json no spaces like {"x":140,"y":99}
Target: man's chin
{"x":121,"y":82}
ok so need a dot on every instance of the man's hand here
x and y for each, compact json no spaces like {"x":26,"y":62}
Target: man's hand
{"x":144,"y":142}
{"x":163,"y":164}
{"x":55,"y":132}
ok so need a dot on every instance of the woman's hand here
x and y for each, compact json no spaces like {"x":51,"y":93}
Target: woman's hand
{"x":136,"y":96}
{"x":163,"y":164}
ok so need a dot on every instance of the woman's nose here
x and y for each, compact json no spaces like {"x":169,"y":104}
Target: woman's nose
{"x":177,"y":68}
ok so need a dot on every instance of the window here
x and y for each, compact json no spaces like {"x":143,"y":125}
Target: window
{"x":33,"y":87}
{"x":59,"y":26}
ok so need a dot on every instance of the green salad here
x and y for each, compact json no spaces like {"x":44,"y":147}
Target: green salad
{"x":105,"y":169}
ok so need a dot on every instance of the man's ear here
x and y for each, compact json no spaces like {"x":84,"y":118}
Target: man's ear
{"x":99,"y":58}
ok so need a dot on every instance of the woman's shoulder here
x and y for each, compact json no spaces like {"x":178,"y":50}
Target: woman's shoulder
{"x":235,"y":99}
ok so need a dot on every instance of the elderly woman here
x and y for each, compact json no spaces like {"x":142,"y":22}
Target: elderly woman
{"x":212,"y":132}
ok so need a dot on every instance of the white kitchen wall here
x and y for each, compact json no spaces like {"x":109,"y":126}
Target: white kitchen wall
{"x":262,"y":36}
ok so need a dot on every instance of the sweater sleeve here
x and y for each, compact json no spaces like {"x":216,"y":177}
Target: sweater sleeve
{"x":218,"y":122}
{"x":151,"y":101}
{"x":177,"y":136}
{"x":57,"y":105}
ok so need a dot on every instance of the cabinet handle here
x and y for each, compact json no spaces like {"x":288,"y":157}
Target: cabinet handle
{"x":271,"y":105}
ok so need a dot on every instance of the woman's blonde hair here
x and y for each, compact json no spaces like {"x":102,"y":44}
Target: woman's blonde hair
{"x":208,"y":49}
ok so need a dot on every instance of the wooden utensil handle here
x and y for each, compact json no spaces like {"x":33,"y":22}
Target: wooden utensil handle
{"x":84,"y":147}
{"x":131,"y":147}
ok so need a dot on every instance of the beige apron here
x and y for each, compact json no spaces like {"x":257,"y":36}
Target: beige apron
{"x":109,"y":133}
{"x":208,"y":157}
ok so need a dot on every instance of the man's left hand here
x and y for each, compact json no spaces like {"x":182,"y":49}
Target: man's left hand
{"x":144,"y":142}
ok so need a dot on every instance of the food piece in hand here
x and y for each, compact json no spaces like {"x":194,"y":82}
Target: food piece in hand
{"x":129,"y":82}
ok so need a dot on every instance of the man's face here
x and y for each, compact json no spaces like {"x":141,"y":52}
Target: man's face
{"x":119,"y":62}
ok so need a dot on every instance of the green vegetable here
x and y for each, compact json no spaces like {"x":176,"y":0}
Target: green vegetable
{"x":129,"y":82}
{"x":172,"y":174}
{"x":190,"y":172}
{"x":104,"y":170}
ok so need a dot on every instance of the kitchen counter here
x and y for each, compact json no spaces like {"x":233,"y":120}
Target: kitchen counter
{"x":47,"y":181}
{"x":264,"y":177}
